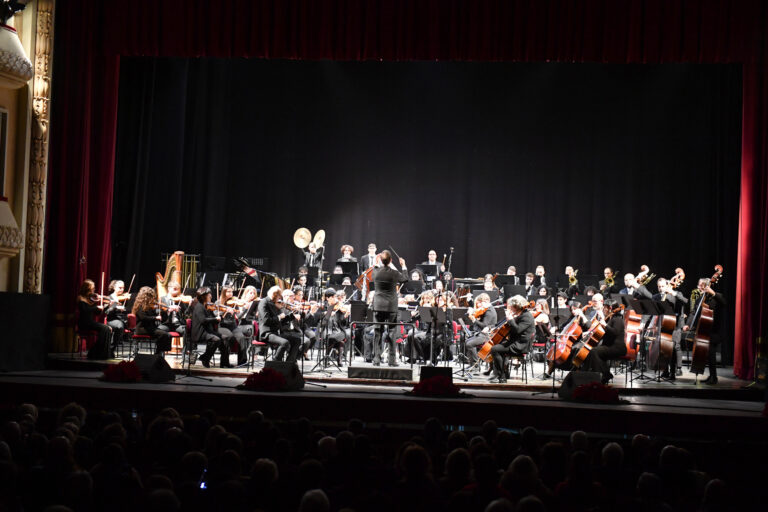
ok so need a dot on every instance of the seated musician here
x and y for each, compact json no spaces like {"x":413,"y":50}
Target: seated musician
{"x":332,"y":320}
{"x":204,"y":324}
{"x":116,"y":318}
{"x":512,"y":271}
{"x":542,"y":293}
{"x":346,"y":256}
{"x":530,"y":289}
{"x":678,"y":301}
{"x":488,"y":283}
{"x":586,"y":314}
{"x":634,"y":288}
{"x":295,"y":321}
{"x":608,"y":285}
{"x":422,"y":332}
{"x":716,"y":302}
{"x":147,"y":319}
{"x":175,"y":310}
{"x":229,"y":327}
{"x":432,"y":260}
{"x":541,"y":279}
{"x":89,"y":307}
{"x":483,"y":318}
{"x":589,"y":291}
{"x":574,"y":287}
{"x":271,"y":316}
{"x":443,"y":328}
{"x":612,"y":344}
{"x":517,"y":343}
{"x":541,"y":321}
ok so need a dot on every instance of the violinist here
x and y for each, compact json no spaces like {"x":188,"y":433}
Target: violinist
{"x":175,"y":310}
{"x":483,"y":318}
{"x":518,"y":341}
{"x":147,"y":319}
{"x":295,"y":323}
{"x":89,"y":306}
{"x":442,"y":324}
{"x":715,"y":301}
{"x":678,"y":301}
{"x":331,"y":320}
{"x":230,"y":327}
{"x":541,"y":322}
{"x":204,"y":324}
{"x":116,"y":318}
{"x":271,"y":315}
{"x":612,"y":344}
{"x":386,"y":279}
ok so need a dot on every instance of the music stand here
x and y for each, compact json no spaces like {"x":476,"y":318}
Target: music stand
{"x":429,"y":271}
{"x":348,"y":268}
{"x":358,"y":312}
{"x":493,"y":294}
{"x":503,"y":280}
{"x":464,"y":372}
{"x":412,"y":287}
{"x":425,"y":317}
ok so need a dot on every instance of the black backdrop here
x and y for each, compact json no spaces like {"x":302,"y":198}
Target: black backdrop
{"x":524,"y":164}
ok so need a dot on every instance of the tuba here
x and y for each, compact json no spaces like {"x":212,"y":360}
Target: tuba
{"x":172,"y":273}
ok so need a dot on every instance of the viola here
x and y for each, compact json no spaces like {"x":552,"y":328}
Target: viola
{"x":479,"y":312}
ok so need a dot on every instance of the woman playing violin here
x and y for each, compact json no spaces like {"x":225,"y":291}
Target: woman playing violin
{"x":229,"y":327}
{"x":89,"y":306}
{"x":175,"y":310}
{"x":204,"y":324}
{"x":147,"y":319}
{"x":483,"y":318}
{"x":116,"y":318}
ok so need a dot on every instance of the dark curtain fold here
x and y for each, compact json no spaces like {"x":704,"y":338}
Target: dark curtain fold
{"x":91,"y":35}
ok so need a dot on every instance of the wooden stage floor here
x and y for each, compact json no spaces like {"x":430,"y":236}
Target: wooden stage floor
{"x":684,"y":408}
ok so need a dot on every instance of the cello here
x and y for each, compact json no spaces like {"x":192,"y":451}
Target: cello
{"x":499,"y":334}
{"x":700,"y":353}
{"x":558,"y":354}
{"x":591,"y":338}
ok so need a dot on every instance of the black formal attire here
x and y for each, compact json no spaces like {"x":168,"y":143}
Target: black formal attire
{"x":612,"y":346}
{"x":146,"y":324}
{"x":441,"y":331}
{"x":678,"y":302}
{"x":173,"y":320}
{"x":641,"y":292}
{"x":608,"y":290}
{"x":478,"y":339}
{"x":203,"y":329}
{"x":313,"y":260}
{"x":351,"y":260}
{"x":385,"y":281}
{"x":716,"y":304}
{"x":86,"y":321}
{"x":238,"y":336}
{"x":116,"y":316}
{"x":517,"y":343}
{"x":367,"y":262}
{"x":270,"y":322}
{"x":531,"y":290}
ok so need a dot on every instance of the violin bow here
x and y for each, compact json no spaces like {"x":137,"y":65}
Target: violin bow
{"x":131,"y":285}
{"x":101,"y":294}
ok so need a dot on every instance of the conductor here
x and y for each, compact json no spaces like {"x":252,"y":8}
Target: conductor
{"x":385,"y":279}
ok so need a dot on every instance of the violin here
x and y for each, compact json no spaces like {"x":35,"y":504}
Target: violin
{"x":479,"y":312}
{"x":186,"y":299}
{"x":93,"y":298}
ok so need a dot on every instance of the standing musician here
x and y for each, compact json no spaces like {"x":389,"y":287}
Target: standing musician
{"x":483,"y":318}
{"x":271,"y":316}
{"x":432,"y":260}
{"x":204,"y":323}
{"x":512,"y":271}
{"x":574,"y":288}
{"x":715,"y":301}
{"x":147,"y":319}
{"x":346,"y":256}
{"x":386,"y":279}
{"x":230,"y":327}
{"x":313,"y":257}
{"x":175,"y":310}
{"x":634,"y":288}
{"x":608,"y":285}
{"x":517,"y":343}
{"x":369,"y":259}
{"x":612,"y":344}
{"x":88,"y":308}
{"x":678,"y":302}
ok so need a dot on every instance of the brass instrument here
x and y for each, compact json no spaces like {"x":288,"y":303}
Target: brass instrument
{"x":172,"y":273}
{"x":645,"y":276}
{"x":695,"y":294}
{"x":609,"y":281}
{"x":573,"y":280}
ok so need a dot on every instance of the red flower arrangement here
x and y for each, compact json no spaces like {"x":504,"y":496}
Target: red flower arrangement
{"x":265,"y":380}
{"x":596,"y":392}
{"x":124,"y":371}
{"x":436,"y":386}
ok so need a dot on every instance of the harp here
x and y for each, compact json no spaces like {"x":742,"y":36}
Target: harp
{"x":172,"y":273}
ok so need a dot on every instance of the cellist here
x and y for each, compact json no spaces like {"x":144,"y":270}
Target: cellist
{"x":518,"y":341}
{"x":612,"y":344}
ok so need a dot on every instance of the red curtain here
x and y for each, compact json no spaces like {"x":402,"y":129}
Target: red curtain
{"x":94,"y":34}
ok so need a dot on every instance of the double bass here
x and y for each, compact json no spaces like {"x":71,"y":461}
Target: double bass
{"x":700,"y":353}
{"x":662,"y":346}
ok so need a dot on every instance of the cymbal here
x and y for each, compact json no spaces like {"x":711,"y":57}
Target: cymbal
{"x":319,"y":238}
{"x":302,"y":237}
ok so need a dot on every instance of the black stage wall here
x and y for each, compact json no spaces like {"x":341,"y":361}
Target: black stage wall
{"x":524,"y":164}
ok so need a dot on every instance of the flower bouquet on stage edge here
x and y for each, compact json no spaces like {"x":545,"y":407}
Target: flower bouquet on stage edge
{"x":124,"y":371}
{"x":265,"y":380}
{"x":597,"y":393}
{"x":438,"y":386}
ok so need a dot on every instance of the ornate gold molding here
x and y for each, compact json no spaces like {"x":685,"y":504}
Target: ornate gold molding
{"x":41,"y":99}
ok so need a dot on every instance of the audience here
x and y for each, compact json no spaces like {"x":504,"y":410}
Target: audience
{"x":77,"y":460}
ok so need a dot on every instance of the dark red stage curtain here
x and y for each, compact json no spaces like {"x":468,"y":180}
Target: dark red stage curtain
{"x":93,"y":35}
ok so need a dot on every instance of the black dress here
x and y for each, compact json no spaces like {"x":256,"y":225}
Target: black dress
{"x":86,"y":322}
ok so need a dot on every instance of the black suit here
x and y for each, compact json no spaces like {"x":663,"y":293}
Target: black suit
{"x":313,"y":260}
{"x":385,"y":281}
{"x":488,"y":319}
{"x":204,"y":331}
{"x":716,"y":304}
{"x":270,"y":322}
{"x":367,"y":262}
{"x":518,"y":342}
{"x":612,"y":346}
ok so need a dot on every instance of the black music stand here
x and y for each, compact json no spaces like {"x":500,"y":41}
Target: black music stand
{"x":460,"y":315}
{"x":493,"y":294}
{"x":358,"y":312}
{"x":425,"y":317}
{"x":442,"y":319}
{"x":430,"y":271}
{"x":412,"y":287}
{"x":349,"y":268}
